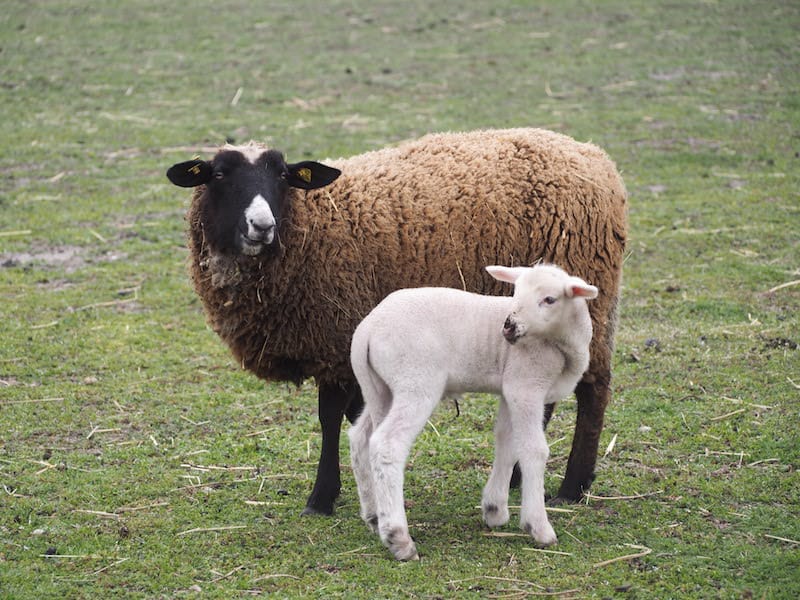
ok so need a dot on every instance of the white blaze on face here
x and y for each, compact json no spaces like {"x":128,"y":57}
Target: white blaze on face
{"x":260,"y":223}
{"x":251,"y":152}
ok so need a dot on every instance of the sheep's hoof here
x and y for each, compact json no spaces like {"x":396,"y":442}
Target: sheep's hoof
{"x":401,"y":545}
{"x":558,"y":501}
{"x":543,"y":535}
{"x":313,"y":510}
{"x":321,"y":501}
{"x":495,"y":516}
{"x":572,"y":489}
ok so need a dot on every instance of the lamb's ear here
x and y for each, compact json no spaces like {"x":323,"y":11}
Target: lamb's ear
{"x":507,"y":274}
{"x":578,"y":287}
{"x":310,"y":175}
{"x":190,"y":173}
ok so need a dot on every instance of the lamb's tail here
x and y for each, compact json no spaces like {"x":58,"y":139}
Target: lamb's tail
{"x":376,"y":394}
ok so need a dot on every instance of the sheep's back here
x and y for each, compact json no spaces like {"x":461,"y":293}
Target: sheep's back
{"x":429,"y":212}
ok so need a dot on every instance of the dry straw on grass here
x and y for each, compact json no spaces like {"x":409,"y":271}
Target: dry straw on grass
{"x":589,"y":496}
{"x":783,"y":286}
{"x":210,"y":529}
{"x":644,"y":552}
{"x":782,"y":539}
{"x":32,"y":401}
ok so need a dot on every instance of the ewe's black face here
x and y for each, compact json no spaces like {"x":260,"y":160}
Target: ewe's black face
{"x":245,"y":200}
{"x":245,"y":194}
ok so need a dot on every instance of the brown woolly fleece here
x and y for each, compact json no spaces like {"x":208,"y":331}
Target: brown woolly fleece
{"x":433,"y":211}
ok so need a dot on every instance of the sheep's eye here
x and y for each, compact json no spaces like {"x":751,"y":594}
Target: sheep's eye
{"x":218,"y":174}
{"x":549,"y":300}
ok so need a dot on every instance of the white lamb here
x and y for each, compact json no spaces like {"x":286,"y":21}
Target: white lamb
{"x":420,"y":344}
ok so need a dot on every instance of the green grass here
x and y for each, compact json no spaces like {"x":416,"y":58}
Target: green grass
{"x":137,"y":460}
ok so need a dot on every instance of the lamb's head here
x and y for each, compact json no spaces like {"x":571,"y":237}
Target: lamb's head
{"x":244,"y":194}
{"x":547,"y":301}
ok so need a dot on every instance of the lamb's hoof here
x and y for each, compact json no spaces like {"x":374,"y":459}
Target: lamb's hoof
{"x":543,"y":535}
{"x":401,"y":545}
{"x":405,"y":554}
{"x":495,"y":516}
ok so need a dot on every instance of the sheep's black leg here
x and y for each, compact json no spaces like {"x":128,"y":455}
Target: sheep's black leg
{"x":592,"y":401}
{"x":516,"y":474}
{"x":334,"y":402}
{"x":548,"y":413}
{"x":355,"y":406}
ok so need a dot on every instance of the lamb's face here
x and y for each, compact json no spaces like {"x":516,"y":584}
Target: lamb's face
{"x":544,"y":300}
{"x":245,"y":195}
{"x":538,"y":304}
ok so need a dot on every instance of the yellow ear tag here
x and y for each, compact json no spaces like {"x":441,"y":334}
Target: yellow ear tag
{"x":304,"y":174}
{"x":194,"y":170}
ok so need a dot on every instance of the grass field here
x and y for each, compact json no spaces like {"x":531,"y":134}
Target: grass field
{"x":138,"y":460}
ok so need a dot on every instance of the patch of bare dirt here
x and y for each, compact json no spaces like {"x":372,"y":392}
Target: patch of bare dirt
{"x":64,"y":258}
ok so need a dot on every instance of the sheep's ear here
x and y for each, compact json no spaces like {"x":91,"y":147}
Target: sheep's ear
{"x":190,"y":173}
{"x":310,"y":175}
{"x":578,"y":287}
{"x":507,"y":274}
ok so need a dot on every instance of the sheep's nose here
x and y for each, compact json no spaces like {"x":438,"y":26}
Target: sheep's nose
{"x":263,"y":228}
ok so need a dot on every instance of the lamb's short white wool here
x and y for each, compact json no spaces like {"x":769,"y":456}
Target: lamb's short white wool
{"x":420,"y":344}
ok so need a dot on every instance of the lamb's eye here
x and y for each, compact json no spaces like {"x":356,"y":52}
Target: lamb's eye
{"x":218,"y":174}
{"x":549,"y":300}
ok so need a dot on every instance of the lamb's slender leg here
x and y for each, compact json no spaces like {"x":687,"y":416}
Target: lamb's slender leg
{"x":592,"y":401}
{"x":388,"y":449}
{"x":376,"y":399}
{"x":360,"y":434}
{"x":516,"y":476}
{"x":495,"y":493}
{"x":531,"y":448}
{"x":333,"y":402}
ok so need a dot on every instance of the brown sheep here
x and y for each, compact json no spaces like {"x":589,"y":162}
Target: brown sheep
{"x":288,"y":258}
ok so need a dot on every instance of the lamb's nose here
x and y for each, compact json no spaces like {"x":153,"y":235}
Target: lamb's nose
{"x":509,"y":329}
